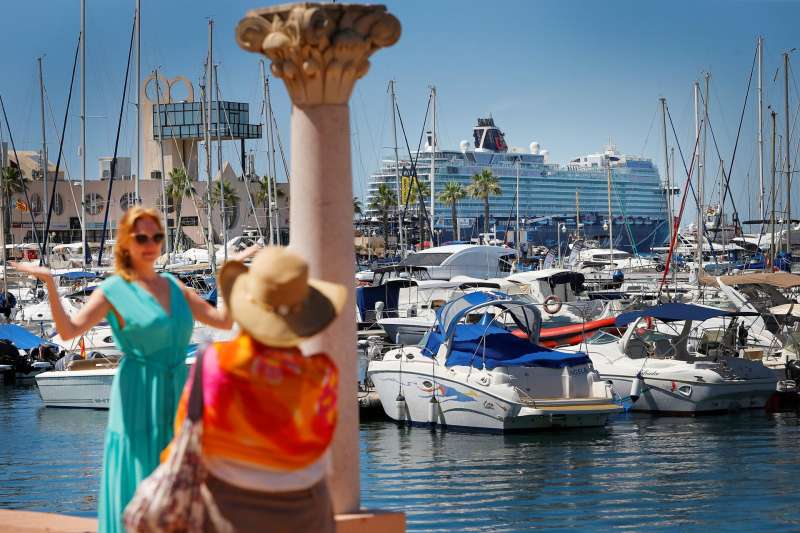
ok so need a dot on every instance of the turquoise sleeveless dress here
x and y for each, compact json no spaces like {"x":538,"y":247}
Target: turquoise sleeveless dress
{"x":145,"y":391}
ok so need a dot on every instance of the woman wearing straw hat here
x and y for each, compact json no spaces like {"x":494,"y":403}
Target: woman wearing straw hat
{"x":269,"y":412}
{"x":151,"y":317}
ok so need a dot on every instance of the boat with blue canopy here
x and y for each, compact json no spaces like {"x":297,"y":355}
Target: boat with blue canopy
{"x":480,"y":367}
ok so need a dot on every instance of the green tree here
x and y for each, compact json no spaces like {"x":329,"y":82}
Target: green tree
{"x":450,"y":195}
{"x":484,"y":185}
{"x":179,"y":187}
{"x":10,"y":183}
{"x":383,"y":202}
{"x":224,"y":190}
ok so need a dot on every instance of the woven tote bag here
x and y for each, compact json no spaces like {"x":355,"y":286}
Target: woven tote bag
{"x":174,"y":497}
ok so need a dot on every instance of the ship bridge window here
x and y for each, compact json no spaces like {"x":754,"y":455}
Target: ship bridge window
{"x":424,"y":259}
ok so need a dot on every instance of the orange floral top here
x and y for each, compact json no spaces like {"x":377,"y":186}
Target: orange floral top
{"x":270,"y":406}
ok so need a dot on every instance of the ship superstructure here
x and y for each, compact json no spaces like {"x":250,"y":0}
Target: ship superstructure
{"x":547,"y":192}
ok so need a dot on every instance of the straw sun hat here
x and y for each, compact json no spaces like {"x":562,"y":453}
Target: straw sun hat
{"x":275,"y":301}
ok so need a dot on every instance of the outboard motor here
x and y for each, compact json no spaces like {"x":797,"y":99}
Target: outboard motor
{"x":793,"y":370}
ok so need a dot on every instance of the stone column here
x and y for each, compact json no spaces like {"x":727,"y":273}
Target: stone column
{"x":319,"y":51}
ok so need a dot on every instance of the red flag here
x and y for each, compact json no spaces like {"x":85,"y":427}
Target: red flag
{"x":82,"y":344}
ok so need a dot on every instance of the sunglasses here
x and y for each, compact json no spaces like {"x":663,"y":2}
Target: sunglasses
{"x":143,"y":238}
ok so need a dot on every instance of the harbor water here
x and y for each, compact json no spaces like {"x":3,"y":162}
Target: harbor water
{"x":732,"y":472}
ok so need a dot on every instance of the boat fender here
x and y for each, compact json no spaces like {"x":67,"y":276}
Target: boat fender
{"x":552,"y":304}
{"x":636,"y":387}
{"x":400,"y":402}
{"x":433,"y":410}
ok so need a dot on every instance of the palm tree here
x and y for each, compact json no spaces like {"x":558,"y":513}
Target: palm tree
{"x":10,"y":183}
{"x":383,"y":201}
{"x":224,"y":190}
{"x":450,"y":195}
{"x":179,"y":187}
{"x":357,"y":210}
{"x":484,"y":185}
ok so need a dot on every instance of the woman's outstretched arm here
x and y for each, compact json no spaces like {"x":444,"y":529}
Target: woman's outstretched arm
{"x":202,"y":311}
{"x":68,"y":327}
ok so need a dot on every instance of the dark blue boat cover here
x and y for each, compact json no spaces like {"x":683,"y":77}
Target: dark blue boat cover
{"x":388,"y":293}
{"x":491,"y":346}
{"x":673,"y":312}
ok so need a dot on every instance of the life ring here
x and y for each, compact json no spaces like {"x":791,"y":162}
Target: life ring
{"x":552,"y":304}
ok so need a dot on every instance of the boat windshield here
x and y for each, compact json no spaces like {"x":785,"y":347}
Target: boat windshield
{"x":602,"y":337}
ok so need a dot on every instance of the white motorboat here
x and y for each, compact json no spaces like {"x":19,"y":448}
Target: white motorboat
{"x":87,"y":382}
{"x":655,"y":362}
{"x":84,"y":383}
{"x":483,"y":376}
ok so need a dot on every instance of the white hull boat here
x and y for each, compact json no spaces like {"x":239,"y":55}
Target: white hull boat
{"x":481,"y":376}
{"x":86,"y":385}
{"x":661,"y":375}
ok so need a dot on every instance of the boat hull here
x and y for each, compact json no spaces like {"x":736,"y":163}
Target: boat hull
{"x":667,"y":396}
{"x":76,"y":388}
{"x":460,"y":405}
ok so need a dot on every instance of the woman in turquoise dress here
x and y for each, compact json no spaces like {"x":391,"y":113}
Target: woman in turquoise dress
{"x":151,"y":318}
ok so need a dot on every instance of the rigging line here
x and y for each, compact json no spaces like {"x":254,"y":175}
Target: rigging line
{"x":396,"y":109}
{"x":190,"y":188}
{"x":649,"y":131}
{"x":735,"y":146}
{"x":677,"y":221}
{"x":688,"y":180}
{"x":244,"y":177}
{"x":280,"y":148}
{"x":66,"y":167}
{"x":21,"y":177}
{"x":413,"y":161}
{"x":60,"y":152}
{"x":116,"y":147}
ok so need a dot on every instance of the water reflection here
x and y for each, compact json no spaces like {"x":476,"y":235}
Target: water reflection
{"x":729,"y":472}
{"x":638,"y":473}
{"x":49,"y":458}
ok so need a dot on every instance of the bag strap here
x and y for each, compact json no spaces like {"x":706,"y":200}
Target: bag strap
{"x":195,"y":410}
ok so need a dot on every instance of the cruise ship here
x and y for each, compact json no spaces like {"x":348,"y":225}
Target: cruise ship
{"x":551,"y":196}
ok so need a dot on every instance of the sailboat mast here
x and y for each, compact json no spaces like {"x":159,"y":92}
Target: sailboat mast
{"x":267,"y":131}
{"x":700,"y":210}
{"x":223,"y":216}
{"x":787,"y":149}
{"x":397,"y":172}
{"x":83,"y":135}
{"x":164,"y":205}
{"x":760,"y":48}
{"x":577,"y":214}
{"x":433,"y":166}
{"x":772,"y":245}
{"x":666,"y":165}
{"x":212,"y":259}
{"x":610,"y":219}
{"x":43,"y":159}
{"x":273,"y":135}
{"x":138,"y":100}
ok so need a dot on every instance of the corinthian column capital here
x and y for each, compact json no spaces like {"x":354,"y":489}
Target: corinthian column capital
{"x":318,"y":50}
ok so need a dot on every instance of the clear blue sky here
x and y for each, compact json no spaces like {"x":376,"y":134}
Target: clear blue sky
{"x":566,"y":74}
